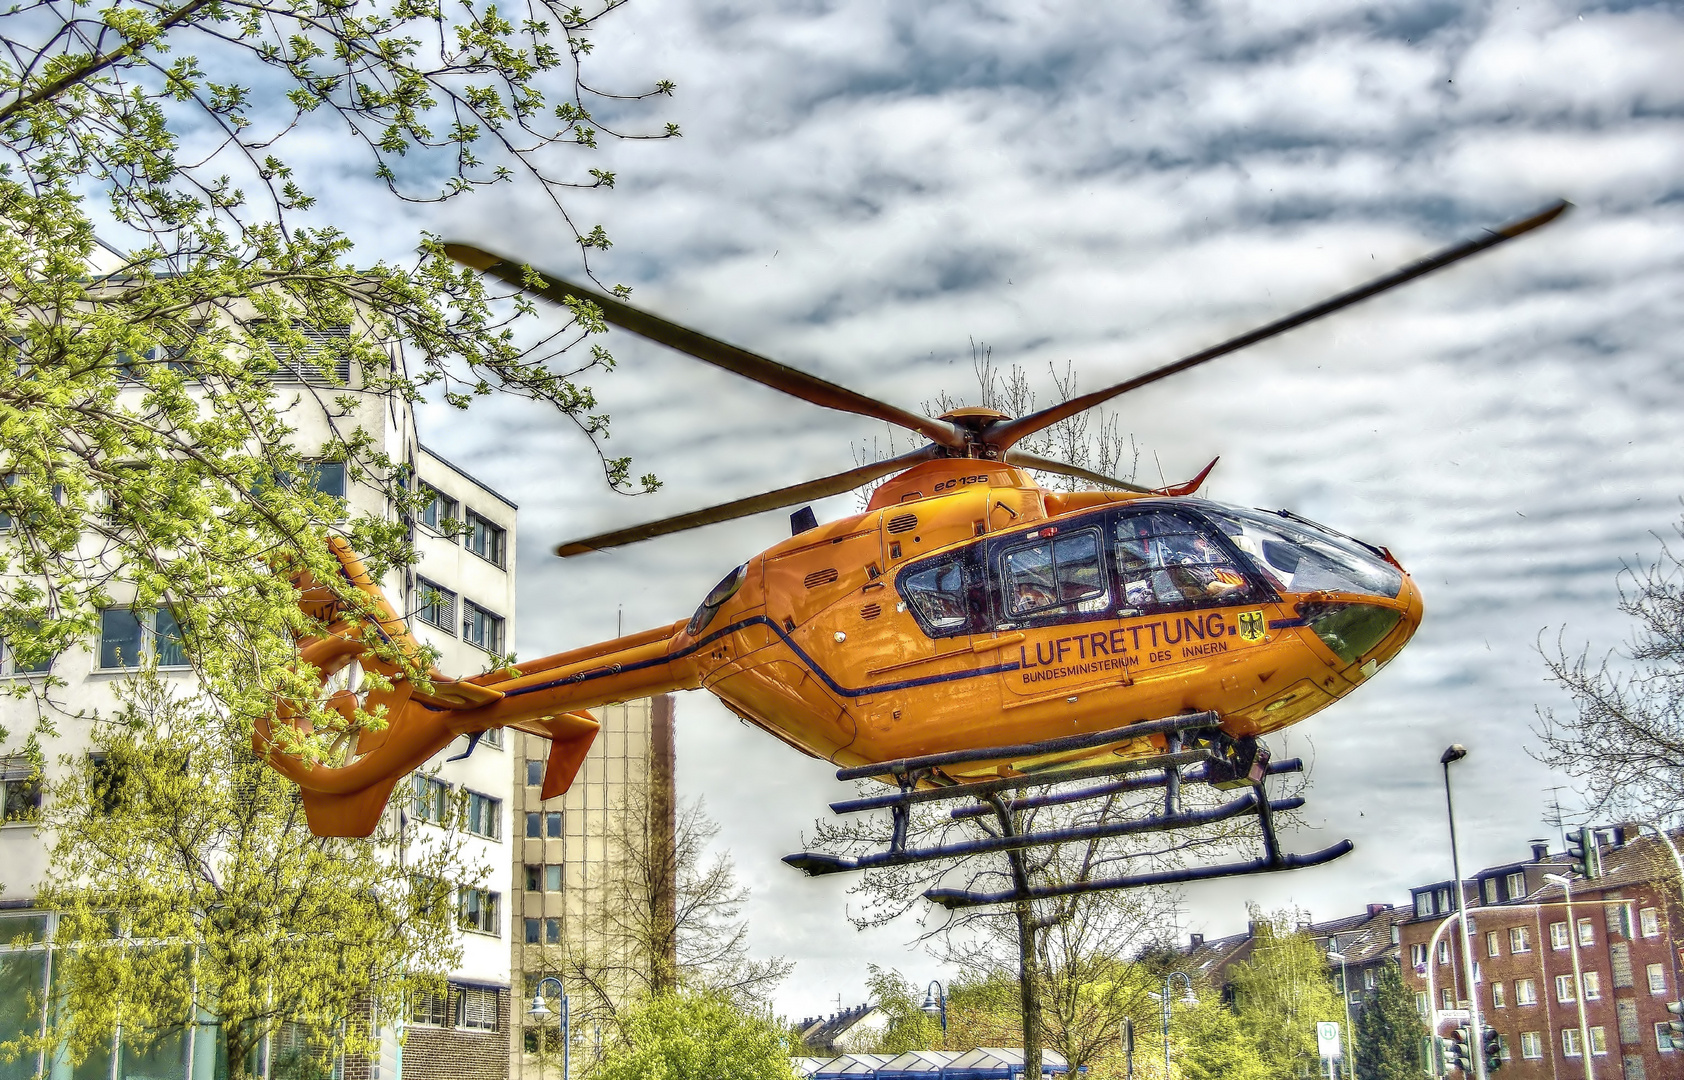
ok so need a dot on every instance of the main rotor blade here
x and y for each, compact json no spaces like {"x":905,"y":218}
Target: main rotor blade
{"x":1005,"y":434}
{"x":707,"y":349}
{"x":1030,"y":461}
{"x":754,"y":504}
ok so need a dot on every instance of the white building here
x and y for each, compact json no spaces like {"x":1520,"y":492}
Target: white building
{"x":472,"y":579}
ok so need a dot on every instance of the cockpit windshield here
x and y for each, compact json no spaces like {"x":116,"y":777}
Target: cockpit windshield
{"x":1299,"y":556}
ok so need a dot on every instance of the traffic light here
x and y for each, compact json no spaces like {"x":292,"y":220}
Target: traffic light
{"x":1456,"y":1051}
{"x":1581,"y":849}
{"x":1491,"y":1044}
{"x":1675,"y":1026}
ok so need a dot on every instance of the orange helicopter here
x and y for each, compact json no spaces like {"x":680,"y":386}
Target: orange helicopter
{"x":966,"y":608}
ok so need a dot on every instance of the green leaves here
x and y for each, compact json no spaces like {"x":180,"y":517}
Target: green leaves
{"x":696,"y":1037}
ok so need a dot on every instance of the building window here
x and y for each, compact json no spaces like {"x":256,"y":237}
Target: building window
{"x":479,"y":911}
{"x":485,"y":816}
{"x":1649,"y":919}
{"x":1443,"y":898}
{"x":534,"y":825}
{"x":1423,"y":904}
{"x":1657,"y":980}
{"x":552,"y":931}
{"x":127,"y":638}
{"x":552,"y":824}
{"x":20,"y":790}
{"x":1499,"y":996}
{"x":1525,"y":992}
{"x":1598,"y":1041}
{"x":1520,"y":940}
{"x":476,"y":1008}
{"x":534,"y":773}
{"x":1493,"y":943}
{"x":1368,"y":978}
{"x":1503,"y":1047}
{"x":428,"y":1010}
{"x":322,"y":361}
{"x":534,"y":877}
{"x":492,"y":737}
{"x":326,"y":478}
{"x":1570,"y":1042}
{"x":532,"y":929}
{"x":11,"y":665}
{"x":1516,"y":883}
{"x":1619,"y":959}
{"x":552,"y":877}
{"x":1593,"y":986}
{"x":440,"y":512}
{"x":486,"y":540}
{"x":1663,"y":1038}
{"x":1422,"y":1003}
{"x":1418,"y":954}
{"x":1558,"y":935}
{"x":1489,"y":888}
{"x":1445,"y":999}
{"x":1564,"y":989}
{"x":435,"y":605}
{"x":432,"y":800}
{"x":1531,"y":1045}
{"x":1444,"y":952}
{"x":480,"y":627}
{"x":1587,"y":932}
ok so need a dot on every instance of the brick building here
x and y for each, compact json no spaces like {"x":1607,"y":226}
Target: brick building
{"x":1621,"y":929}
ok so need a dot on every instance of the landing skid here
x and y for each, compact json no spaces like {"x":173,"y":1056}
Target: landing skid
{"x":1196,"y":751}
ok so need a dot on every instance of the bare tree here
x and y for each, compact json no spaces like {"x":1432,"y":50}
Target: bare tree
{"x":1624,"y":741}
{"x":665,"y":916}
{"x":1055,"y":945}
{"x":1090,"y":440}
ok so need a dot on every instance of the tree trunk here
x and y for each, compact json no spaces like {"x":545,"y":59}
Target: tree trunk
{"x":1028,"y":979}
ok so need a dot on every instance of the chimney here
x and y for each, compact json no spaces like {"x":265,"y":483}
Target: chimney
{"x":1376,"y":910}
{"x":1198,"y":940}
{"x":1540,"y":850}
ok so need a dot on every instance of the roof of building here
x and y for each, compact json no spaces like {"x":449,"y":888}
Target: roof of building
{"x":822,"y":1032}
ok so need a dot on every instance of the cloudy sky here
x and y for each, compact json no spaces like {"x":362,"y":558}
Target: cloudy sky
{"x":865,"y":188}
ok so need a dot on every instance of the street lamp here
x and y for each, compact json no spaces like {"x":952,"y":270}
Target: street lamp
{"x":1350,"y":1068}
{"x":1456,"y":752}
{"x":1565,"y":881}
{"x":539,"y":1012}
{"x":935,"y":1004}
{"x":1164,"y":1003}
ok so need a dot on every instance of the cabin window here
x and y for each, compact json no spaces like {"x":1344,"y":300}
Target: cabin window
{"x":1167,"y":561}
{"x":937,"y":594}
{"x":1060,"y":575}
{"x":1300,"y":556}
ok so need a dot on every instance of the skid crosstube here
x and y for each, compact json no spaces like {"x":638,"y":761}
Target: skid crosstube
{"x":1195,"y":751}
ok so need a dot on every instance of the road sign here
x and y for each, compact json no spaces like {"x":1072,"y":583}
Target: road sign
{"x":1327,"y":1039}
{"x":1452,"y":1014}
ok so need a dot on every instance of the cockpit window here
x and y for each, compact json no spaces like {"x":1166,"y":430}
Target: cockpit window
{"x":1060,"y":575}
{"x":1301,"y":557}
{"x":1167,"y":560}
{"x":937,"y":594}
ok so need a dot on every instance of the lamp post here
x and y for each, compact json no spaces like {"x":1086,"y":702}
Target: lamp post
{"x":539,"y":1012}
{"x":1456,"y":752}
{"x":1565,"y":881}
{"x":1350,"y":1068}
{"x":935,"y":1004}
{"x":1164,"y":1005}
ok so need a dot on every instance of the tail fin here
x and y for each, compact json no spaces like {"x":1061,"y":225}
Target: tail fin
{"x":355,"y":813}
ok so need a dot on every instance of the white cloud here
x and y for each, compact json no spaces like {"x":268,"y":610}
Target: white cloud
{"x":862,"y":188}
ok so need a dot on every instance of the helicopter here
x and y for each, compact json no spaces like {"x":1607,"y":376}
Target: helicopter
{"x":967,"y":625}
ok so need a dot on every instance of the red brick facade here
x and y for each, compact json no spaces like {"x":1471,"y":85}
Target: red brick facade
{"x":1523,"y":944}
{"x":452,"y":1052}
